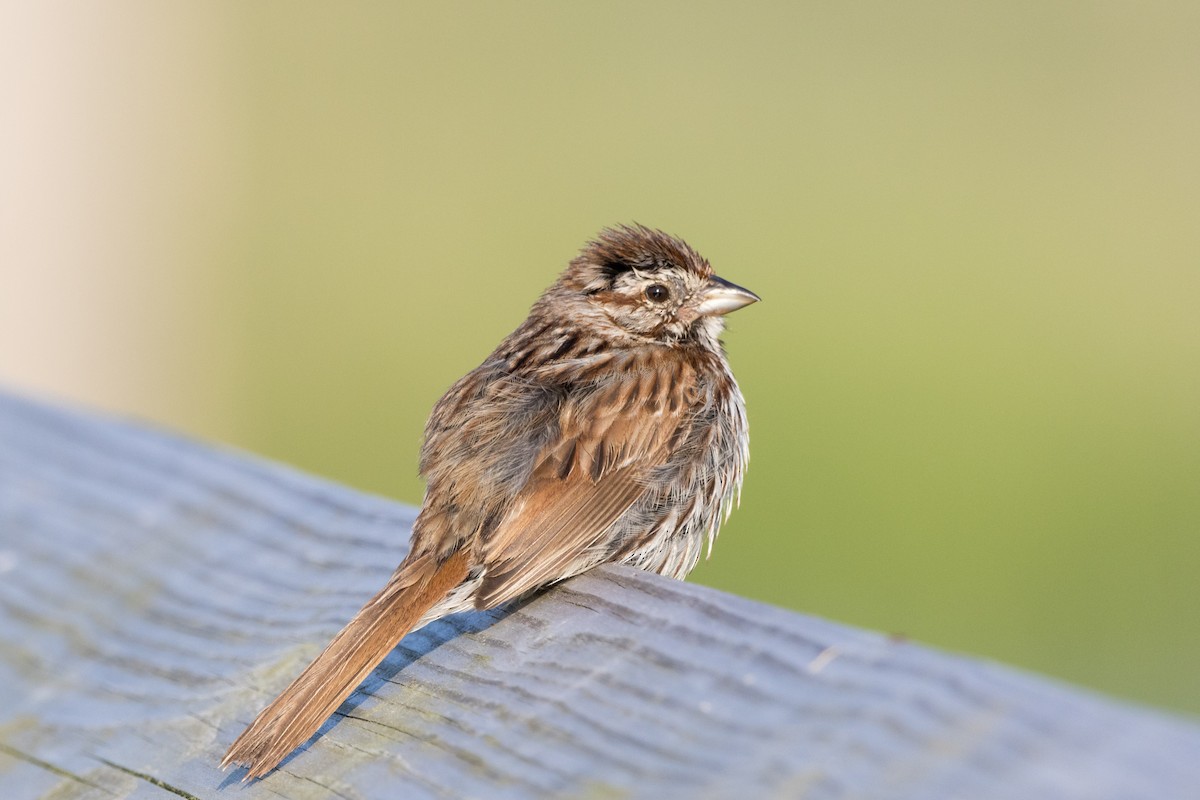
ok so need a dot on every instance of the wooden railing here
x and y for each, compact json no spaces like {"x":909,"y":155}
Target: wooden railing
{"x":155,"y":592}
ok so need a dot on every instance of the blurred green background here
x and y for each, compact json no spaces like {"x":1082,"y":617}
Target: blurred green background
{"x":975,"y":379}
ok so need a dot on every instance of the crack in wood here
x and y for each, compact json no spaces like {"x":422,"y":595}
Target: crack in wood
{"x":161,"y":784}
{"x":29,"y":758}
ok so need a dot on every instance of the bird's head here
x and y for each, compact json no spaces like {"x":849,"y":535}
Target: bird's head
{"x":652,"y":286}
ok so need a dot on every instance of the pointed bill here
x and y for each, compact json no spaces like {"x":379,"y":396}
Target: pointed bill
{"x":721,"y":297}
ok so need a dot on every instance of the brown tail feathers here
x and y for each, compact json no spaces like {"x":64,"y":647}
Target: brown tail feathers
{"x":300,"y":710}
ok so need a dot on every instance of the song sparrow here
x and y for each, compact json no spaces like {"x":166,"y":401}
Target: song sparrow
{"x":606,"y":428}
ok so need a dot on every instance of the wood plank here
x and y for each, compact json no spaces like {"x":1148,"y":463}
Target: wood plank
{"x":155,"y":592}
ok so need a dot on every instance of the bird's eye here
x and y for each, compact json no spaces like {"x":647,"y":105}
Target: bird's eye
{"x":657,"y":293}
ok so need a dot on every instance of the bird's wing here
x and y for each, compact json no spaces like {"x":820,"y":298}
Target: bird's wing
{"x":560,"y":523}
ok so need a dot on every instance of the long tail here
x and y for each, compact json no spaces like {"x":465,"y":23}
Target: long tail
{"x":300,"y":710}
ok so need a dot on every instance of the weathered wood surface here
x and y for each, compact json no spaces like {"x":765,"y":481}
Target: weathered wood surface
{"x":155,"y":592}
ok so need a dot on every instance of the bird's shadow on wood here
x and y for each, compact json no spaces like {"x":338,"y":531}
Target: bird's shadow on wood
{"x":413,"y":647}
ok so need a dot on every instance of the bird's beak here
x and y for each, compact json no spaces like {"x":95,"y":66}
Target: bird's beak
{"x":720,"y":297}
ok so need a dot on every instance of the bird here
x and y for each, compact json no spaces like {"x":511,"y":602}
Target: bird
{"x":607,"y":428}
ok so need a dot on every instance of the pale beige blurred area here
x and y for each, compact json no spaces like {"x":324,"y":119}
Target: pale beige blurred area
{"x":121,"y":186}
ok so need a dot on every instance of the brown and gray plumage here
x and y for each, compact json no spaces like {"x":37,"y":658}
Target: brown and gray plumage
{"x":606,"y":428}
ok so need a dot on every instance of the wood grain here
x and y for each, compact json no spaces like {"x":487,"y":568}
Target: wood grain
{"x":156,"y":592}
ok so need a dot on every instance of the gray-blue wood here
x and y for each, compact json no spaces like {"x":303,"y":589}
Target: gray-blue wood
{"x":155,"y":592}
